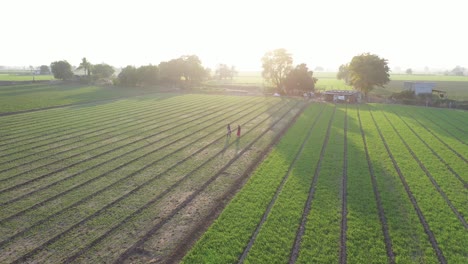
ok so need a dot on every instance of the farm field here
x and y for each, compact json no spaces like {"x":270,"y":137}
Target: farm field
{"x":127,"y":180}
{"x":352,"y":184}
{"x":24,"y":77}
{"x":23,"y":97}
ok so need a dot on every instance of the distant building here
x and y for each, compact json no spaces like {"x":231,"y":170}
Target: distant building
{"x":350,"y":96}
{"x":420,"y":87}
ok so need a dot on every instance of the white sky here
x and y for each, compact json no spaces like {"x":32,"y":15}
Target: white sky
{"x":327,"y":33}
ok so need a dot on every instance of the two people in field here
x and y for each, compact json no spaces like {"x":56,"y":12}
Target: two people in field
{"x":229,"y":130}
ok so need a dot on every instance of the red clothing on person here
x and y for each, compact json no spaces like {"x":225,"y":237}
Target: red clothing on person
{"x":238,"y":130}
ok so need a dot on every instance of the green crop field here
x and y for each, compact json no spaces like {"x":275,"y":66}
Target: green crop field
{"x":143,"y":177}
{"x":352,"y":184}
{"x":97,"y":183}
{"x":32,"y":96}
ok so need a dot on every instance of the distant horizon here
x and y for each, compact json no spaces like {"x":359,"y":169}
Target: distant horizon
{"x":409,"y":34}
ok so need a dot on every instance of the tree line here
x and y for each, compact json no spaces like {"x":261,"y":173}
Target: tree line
{"x":364,"y":72}
{"x":183,"y":71}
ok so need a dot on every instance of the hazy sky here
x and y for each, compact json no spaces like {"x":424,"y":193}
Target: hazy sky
{"x":408,"y":33}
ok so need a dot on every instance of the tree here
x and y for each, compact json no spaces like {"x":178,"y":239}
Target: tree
{"x":300,"y":80}
{"x":128,"y":76}
{"x":319,"y":68}
{"x":170,"y":72}
{"x":102,"y":70}
{"x":44,"y":69}
{"x":86,"y":66}
{"x":276,"y":66}
{"x":458,"y":70}
{"x":61,"y":70}
{"x":409,"y":71}
{"x":343,"y":73}
{"x":224,"y":72}
{"x":365,"y":71}
{"x":186,"y":70}
{"x":148,"y":75}
{"x":192,"y":70}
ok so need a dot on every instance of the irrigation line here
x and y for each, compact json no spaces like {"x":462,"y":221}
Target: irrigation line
{"x":307,"y":207}
{"x":164,"y":220}
{"x":383,"y":219}
{"x":429,"y":175}
{"x":98,"y":155}
{"x":146,"y":124}
{"x":465,"y":184}
{"x":278,"y":190}
{"x":2,"y":243}
{"x":422,"y":219}
{"x":67,"y":132}
{"x":438,"y":138}
{"x":57,"y":237}
{"x":102,"y":163}
{"x":344,"y":193}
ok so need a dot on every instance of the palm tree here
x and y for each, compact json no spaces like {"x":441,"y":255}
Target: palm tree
{"x":86,"y":66}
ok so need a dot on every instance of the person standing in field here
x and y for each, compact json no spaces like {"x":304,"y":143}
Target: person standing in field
{"x":228,"y":130}
{"x":238,"y":130}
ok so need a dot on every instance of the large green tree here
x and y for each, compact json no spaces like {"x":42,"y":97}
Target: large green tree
{"x":61,"y":70}
{"x":300,"y":80}
{"x":148,"y":75}
{"x":44,"y":69}
{"x":365,"y":71}
{"x":170,"y":72}
{"x":102,"y":70}
{"x":193,"y":71}
{"x":276,"y":66}
{"x":128,"y":76}
{"x":185,"y":71}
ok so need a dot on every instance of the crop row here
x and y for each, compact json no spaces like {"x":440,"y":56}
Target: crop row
{"x":48,"y":136}
{"x":88,"y":174}
{"x":71,"y":116}
{"x":442,"y":179}
{"x":91,"y":189}
{"x":389,"y":186}
{"x":157,"y":128}
{"x":226,"y":240}
{"x":102,"y":215}
{"x":435,"y":215}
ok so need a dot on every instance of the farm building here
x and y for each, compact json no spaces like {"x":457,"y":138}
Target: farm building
{"x":419,"y":87}
{"x":350,"y":96}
